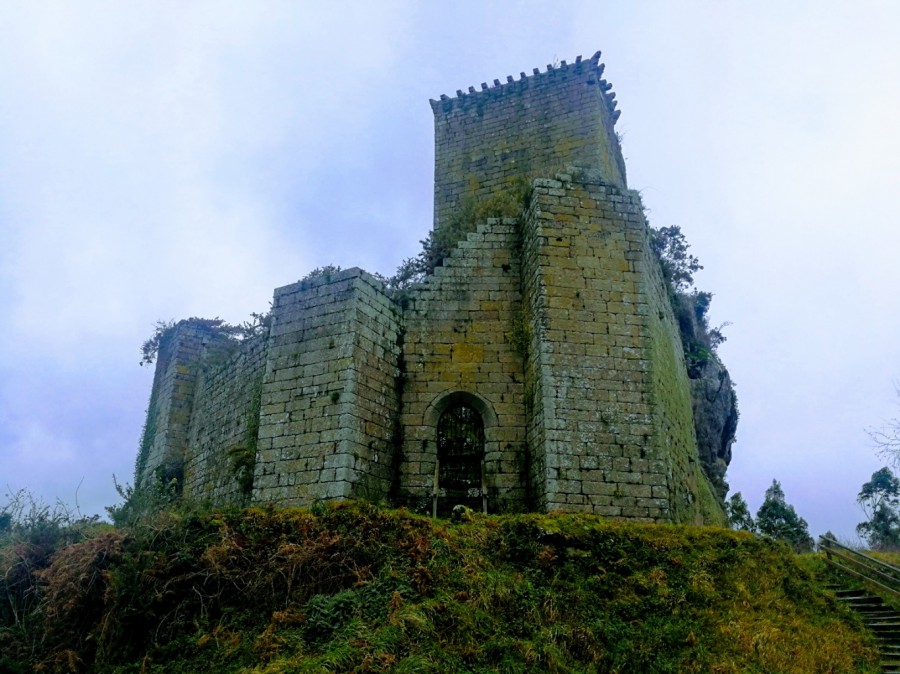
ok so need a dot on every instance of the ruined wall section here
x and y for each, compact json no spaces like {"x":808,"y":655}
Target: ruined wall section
{"x":464,"y":333}
{"x":225,"y":422}
{"x":167,"y":430}
{"x":592,"y":425}
{"x":532,"y":127}
{"x":328,"y":393}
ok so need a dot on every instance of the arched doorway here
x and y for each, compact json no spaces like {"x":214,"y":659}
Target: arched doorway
{"x":459,"y":475}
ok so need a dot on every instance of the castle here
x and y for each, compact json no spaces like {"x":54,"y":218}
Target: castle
{"x":538,"y":368}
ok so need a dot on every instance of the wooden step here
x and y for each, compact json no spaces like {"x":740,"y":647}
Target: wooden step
{"x":847,"y":593}
{"x":863,"y":602}
{"x":881,"y":620}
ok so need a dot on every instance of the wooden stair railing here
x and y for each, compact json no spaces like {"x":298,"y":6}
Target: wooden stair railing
{"x":865,"y":567}
{"x":882,"y":620}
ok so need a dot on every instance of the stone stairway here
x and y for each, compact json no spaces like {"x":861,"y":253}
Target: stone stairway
{"x":882,"y":621}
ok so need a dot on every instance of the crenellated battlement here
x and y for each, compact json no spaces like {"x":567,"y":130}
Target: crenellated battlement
{"x":592,"y":68}
{"x":522,"y":129}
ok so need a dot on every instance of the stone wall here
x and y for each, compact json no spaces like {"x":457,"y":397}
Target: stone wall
{"x":463,"y":335}
{"x":328,"y":393}
{"x":691,"y":495}
{"x":592,"y":417}
{"x":611,"y":422}
{"x":225,"y":423}
{"x":375,"y":385}
{"x":167,"y":429}
{"x":523,"y":129}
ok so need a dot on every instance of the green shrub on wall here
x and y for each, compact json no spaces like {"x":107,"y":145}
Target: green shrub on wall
{"x":242,"y":457}
{"x":510,"y":202}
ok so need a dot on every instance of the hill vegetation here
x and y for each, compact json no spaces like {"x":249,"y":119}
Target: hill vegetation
{"x":352,"y":588}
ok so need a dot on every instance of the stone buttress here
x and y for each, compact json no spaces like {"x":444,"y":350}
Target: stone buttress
{"x":329,"y":401}
{"x":610,"y":422}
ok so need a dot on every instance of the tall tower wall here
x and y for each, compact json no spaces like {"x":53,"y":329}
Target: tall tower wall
{"x":611,"y":426}
{"x":523,"y":129}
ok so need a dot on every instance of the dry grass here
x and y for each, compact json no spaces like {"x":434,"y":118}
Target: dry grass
{"x":357,"y":589}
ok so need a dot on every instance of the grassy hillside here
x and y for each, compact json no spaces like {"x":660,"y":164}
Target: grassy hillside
{"x":358,"y":589}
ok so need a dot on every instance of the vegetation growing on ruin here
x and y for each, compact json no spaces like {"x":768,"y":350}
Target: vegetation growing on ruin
{"x":242,"y":457}
{"x":148,"y":433}
{"x":696,"y":502}
{"x":320,"y":273}
{"x":520,"y":333}
{"x":353,"y":588}
{"x":510,"y":202}
{"x":714,"y":401}
{"x":691,"y":306}
{"x":257,"y":325}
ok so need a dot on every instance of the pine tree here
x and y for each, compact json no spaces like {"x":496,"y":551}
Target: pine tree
{"x":738,"y":512}
{"x":778,"y":519}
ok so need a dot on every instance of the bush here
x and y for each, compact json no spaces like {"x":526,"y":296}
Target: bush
{"x":508,"y":203}
{"x":31,"y":533}
{"x":691,"y":306}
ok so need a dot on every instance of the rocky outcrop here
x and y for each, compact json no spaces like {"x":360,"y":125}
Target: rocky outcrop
{"x":715,"y":420}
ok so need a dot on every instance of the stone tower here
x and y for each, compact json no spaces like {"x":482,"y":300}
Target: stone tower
{"x":538,"y":368}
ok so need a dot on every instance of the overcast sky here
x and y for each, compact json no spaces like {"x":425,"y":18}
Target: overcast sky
{"x":171,"y":159}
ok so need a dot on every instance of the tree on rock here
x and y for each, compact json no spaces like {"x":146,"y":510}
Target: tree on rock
{"x":778,"y":519}
{"x":738,"y":512}
{"x":879,"y":499}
